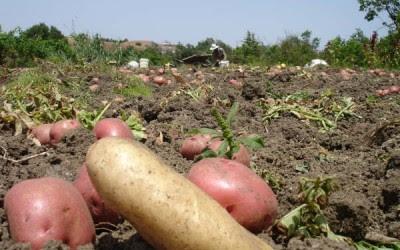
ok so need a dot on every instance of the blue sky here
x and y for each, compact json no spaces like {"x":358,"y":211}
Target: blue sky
{"x":191,"y":21}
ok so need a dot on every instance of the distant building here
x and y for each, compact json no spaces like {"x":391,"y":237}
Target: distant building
{"x":167,"y":47}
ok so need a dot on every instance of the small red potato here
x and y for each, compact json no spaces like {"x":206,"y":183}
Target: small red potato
{"x":166,"y":209}
{"x":61,"y":128}
{"x":394,"y":89}
{"x":247,"y":197}
{"x":235,"y":83}
{"x":242,"y":156}
{"x":194,"y":145}
{"x":160,"y":80}
{"x":112,"y":127}
{"x":40,"y":210}
{"x":100,"y":212}
{"x":379,"y":92}
{"x":42,"y":133}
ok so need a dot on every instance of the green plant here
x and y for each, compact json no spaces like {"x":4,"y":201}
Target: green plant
{"x":88,"y":119}
{"x":135,"y":87}
{"x":198,"y":93}
{"x":230,"y":142}
{"x":363,"y":245}
{"x":308,"y":220}
{"x":34,"y":98}
{"x":135,"y":124}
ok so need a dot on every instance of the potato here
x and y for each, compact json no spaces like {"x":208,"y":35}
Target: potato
{"x":168,"y":210}
{"x":242,"y":156}
{"x":247,"y":197}
{"x":160,"y":80}
{"x":194,"y":145}
{"x":100,"y":212}
{"x":42,"y":133}
{"x":112,"y":127}
{"x":61,"y":128}
{"x":39,"y":210}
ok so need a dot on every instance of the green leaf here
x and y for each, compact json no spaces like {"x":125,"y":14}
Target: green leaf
{"x":207,"y":153}
{"x":223,"y":148}
{"x":252,"y":141}
{"x":232,"y":113}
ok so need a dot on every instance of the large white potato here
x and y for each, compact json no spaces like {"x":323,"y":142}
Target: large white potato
{"x":167,"y":210}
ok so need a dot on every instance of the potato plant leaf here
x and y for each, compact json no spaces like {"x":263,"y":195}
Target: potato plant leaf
{"x":363,"y":245}
{"x":252,"y":141}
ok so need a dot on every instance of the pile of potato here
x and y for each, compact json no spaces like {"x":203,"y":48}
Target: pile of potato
{"x":216,"y":206}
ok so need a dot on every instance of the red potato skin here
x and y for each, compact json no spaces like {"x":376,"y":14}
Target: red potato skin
{"x":61,"y":128}
{"x":42,"y":133}
{"x":194,"y":145}
{"x":39,"y":210}
{"x":160,"y":80}
{"x":112,"y":127}
{"x":247,"y":197}
{"x":100,"y":212}
{"x":394,"y":89}
{"x":242,"y":156}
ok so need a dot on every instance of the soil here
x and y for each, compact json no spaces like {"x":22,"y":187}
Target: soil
{"x":363,"y":154}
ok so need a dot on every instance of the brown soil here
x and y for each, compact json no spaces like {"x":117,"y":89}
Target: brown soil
{"x":365,"y":164}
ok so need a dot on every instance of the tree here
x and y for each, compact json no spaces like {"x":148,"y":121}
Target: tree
{"x":374,"y":7}
{"x":42,"y":31}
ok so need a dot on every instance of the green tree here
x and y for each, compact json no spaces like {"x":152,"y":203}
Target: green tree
{"x":374,"y":7}
{"x":44,"y":32}
{"x":250,"y":51}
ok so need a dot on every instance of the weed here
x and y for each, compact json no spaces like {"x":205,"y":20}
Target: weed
{"x":308,"y":220}
{"x":198,"y":93}
{"x":273,"y":180}
{"x":325,"y":110}
{"x":135,"y":87}
{"x":230,"y":142}
{"x":135,"y":124}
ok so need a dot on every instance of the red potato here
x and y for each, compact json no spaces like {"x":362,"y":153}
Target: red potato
{"x":160,"y":71}
{"x":194,"y":145}
{"x":247,"y":197}
{"x":235,"y":83}
{"x":386,"y":92}
{"x":100,"y":212}
{"x":112,"y":127}
{"x":40,"y":210}
{"x":160,"y":80}
{"x":242,"y":156}
{"x":379,"y":92}
{"x":42,"y":133}
{"x":394,"y":89}
{"x":61,"y":128}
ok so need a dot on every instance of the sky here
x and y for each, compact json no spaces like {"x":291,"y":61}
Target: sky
{"x":192,"y":21}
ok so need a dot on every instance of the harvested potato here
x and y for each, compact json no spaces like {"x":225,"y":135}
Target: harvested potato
{"x":168,"y":210}
{"x":100,"y":212}
{"x":42,"y":133}
{"x":61,"y":129}
{"x":246,"y":196}
{"x":40,"y":210}
{"x":194,"y":145}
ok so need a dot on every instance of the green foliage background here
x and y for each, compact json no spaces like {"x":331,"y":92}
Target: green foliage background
{"x":25,"y":47}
